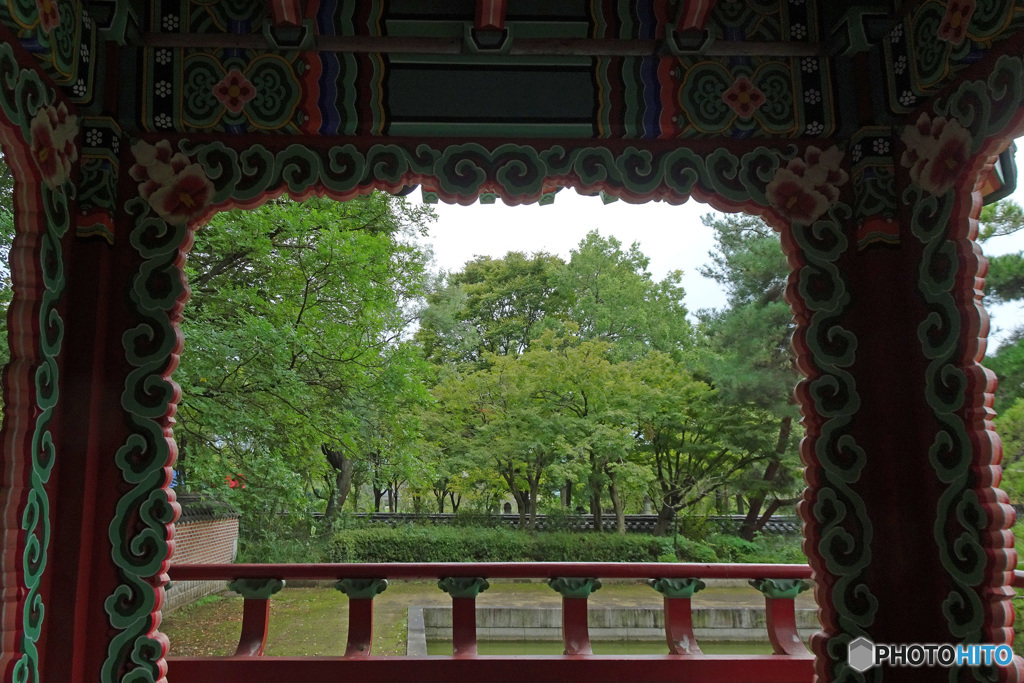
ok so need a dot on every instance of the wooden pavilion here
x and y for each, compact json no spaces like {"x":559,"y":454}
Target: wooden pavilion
{"x":863,"y":132}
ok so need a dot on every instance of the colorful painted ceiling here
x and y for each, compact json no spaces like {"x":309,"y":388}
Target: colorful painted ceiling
{"x":653,"y":70}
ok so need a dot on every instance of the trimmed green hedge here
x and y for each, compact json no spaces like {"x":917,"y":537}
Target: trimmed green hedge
{"x":445,"y":544}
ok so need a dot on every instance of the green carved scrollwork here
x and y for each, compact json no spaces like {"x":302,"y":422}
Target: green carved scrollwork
{"x":574,"y":587}
{"x":362,"y":589}
{"x":22,"y":94}
{"x":963,"y":527}
{"x":780,"y":588}
{"x":463,"y":586}
{"x":677,"y":588}
{"x":256,"y":589}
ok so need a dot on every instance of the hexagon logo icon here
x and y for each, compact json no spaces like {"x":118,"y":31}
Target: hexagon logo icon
{"x":861,"y":654}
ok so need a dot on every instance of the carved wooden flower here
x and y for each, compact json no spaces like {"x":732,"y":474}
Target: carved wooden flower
{"x":937,"y":151}
{"x":234,"y":91}
{"x":49,"y":14}
{"x":804,"y":189}
{"x":744,"y":97}
{"x":53,"y":133}
{"x":178,"y":190}
{"x":954,"y":23}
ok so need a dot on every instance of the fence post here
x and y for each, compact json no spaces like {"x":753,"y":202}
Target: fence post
{"x":361,"y":593}
{"x":575,"y":630}
{"x":679,"y":613}
{"x":463,"y":591}
{"x":255,"y":613}
{"x":780,"y":609}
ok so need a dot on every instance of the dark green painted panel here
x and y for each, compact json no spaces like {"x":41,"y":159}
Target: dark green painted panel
{"x":421,"y":92}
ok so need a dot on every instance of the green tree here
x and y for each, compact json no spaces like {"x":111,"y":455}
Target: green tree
{"x":294,"y":359}
{"x":491,"y":306}
{"x":613,"y":297}
{"x":748,"y":357}
{"x":695,"y":442}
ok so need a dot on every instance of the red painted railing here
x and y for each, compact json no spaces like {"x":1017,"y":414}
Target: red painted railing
{"x":463,"y":581}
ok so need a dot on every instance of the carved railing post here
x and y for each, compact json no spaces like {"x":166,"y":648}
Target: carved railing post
{"x":780,"y":609}
{"x":463,"y":591}
{"x":255,"y":613}
{"x":361,"y":593}
{"x":678,"y":613}
{"x":575,"y":630}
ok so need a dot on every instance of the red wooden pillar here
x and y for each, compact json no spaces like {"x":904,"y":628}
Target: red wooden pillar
{"x":906,"y":532}
{"x":361,"y":593}
{"x":575,"y":629}
{"x":464,"y":591}
{"x":678,"y":613}
{"x":780,"y":611}
{"x":255,"y":613}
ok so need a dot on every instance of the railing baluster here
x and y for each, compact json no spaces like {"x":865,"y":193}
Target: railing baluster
{"x":780,"y":609}
{"x":361,"y":593}
{"x":255,"y":613}
{"x":679,"y":613}
{"x":463,"y":591}
{"x":575,"y":630}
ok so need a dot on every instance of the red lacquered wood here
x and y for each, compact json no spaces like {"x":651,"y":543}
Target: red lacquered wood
{"x":782,"y":632}
{"x":493,"y":570}
{"x":490,"y":15}
{"x":1018,"y":579}
{"x":575,"y":630}
{"x":679,"y":627}
{"x":360,"y":627}
{"x":577,"y":669}
{"x":464,"y":627}
{"x":255,"y":622}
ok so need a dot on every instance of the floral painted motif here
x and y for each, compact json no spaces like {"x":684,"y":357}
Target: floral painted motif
{"x":53,"y":143}
{"x":937,"y":151}
{"x":954,"y":23}
{"x":49,"y":14}
{"x":234,"y":91}
{"x":807,"y":186}
{"x":744,"y":97}
{"x":178,"y":190}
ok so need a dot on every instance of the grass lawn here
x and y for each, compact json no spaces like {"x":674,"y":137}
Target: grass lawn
{"x":314,"y":621}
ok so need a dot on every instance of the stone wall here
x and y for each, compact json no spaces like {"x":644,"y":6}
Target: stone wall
{"x":206,"y":533}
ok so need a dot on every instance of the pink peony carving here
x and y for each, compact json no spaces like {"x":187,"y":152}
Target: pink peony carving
{"x":954,"y":22}
{"x":178,"y":190}
{"x":937,"y":150}
{"x":53,"y":133}
{"x":49,"y":14}
{"x":804,"y":189}
{"x":744,"y":97}
{"x":234,"y":91}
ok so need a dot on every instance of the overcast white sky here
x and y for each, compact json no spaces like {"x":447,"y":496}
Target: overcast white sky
{"x":672,"y":236}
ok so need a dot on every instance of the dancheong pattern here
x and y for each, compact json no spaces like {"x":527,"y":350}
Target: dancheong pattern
{"x":238,"y":90}
{"x":23,"y":97}
{"x":968,"y":518}
{"x":939,"y":38}
{"x":461,"y":172}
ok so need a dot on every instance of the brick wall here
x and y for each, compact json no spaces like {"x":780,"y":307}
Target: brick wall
{"x":205,"y":534}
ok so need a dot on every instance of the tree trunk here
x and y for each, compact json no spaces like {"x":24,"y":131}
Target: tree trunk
{"x":378,"y":495}
{"x":455,"y":501}
{"x":666,"y":515}
{"x":533,"y":503}
{"x":344,"y":468}
{"x":440,"y":503}
{"x":620,"y":513}
{"x":567,"y":495}
{"x":754,"y":521}
{"x":595,"y":510}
